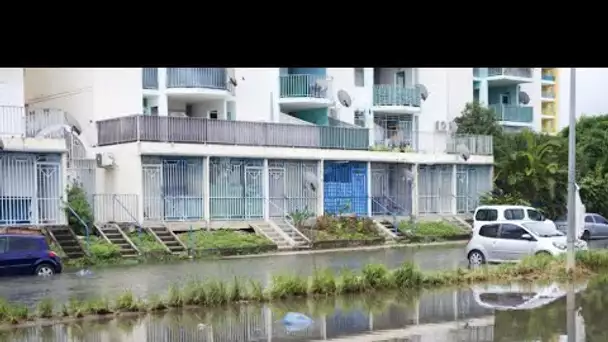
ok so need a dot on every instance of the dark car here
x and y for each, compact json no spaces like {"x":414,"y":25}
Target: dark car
{"x":27,"y":254}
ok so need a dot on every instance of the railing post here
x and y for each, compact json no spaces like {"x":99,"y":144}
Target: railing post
{"x":368,"y":179}
{"x":266,"y":184}
{"x":415,"y":190}
{"x":454,"y":190}
{"x":206,"y":192}
{"x":320,"y":188}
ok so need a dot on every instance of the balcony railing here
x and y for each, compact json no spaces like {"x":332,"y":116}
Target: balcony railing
{"x":513,"y":72}
{"x":389,"y":95}
{"x":513,"y":113}
{"x":307,"y":86}
{"x":476,"y":144}
{"x":548,"y":94}
{"x":205,"y":131}
{"x":150,"y":78}
{"x":476,"y":72}
{"x":548,"y":78}
{"x":19,"y":121}
{"x":209,"y":78}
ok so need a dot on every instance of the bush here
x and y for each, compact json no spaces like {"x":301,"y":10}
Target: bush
{"x":330,"y":227}
{"x":77,"y":201}
{"x":146,"y":243}
{"x":101,"y":250}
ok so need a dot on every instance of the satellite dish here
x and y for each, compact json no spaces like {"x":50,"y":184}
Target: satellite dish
{"x":424,"y":93}
{"x":344,"y":98}
{"x":524,"y":98}
{"x":464,"y":152}
{"x":311,"y":181}
{"x":409,"y":175}
{"x":233,"y":81}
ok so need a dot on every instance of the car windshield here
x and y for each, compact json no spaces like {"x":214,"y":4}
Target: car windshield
{"x":543,"y":229}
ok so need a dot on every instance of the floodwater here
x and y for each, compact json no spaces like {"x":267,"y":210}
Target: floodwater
{"x":497,"y":313}
{"x":156,"y":278}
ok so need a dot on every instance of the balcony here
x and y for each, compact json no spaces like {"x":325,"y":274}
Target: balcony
{"x":519,"y":114}
{"x":509,"y":76}
{"x":548,"y":95}
{"x":18,"y":121}
{"x":548,"y":78}
{"x":395,"y":99}
{"x":476,"y":72}
{"x":212,"y":82}
{"x":300,"y":91}
{"x":204,"y":131}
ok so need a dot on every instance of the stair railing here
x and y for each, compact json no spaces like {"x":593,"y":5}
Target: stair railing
{"x":288,"y":219}
{"x":80,"y":220}
{"x":139,"y":226}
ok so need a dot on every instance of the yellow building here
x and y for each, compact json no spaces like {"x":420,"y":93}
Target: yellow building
{"x":549,"y":99}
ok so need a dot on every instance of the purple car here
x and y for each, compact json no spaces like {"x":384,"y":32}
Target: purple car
{"x":27,"y":254}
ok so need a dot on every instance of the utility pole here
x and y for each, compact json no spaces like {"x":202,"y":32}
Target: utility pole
{"x":572,"y":173}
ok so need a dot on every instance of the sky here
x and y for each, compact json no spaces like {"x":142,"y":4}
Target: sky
{"x":591,"y":92}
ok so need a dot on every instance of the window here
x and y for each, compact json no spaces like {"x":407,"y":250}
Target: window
{"x":511,"y":232}
{"x":514,"y":214}
{"x":2,"y":244}
{"x":360,"y":118}
{"x":490,"y":230}
{"x":588,"y":219}
{"x":154,"y":111}
{"x":505,"y":99}
{"x":22,"y":244}
{"x":486,"y":215}
{"x":599,"y":219}
{"x":359,"y":77}
{"x":213,"y":114}
{"x":535,"y":215}
{"x":400,"y":79}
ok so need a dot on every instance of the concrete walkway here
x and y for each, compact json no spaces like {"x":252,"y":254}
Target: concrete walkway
{"x":442,"y":244}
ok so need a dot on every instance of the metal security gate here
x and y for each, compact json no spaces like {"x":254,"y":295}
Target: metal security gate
{"x":173,"y":189}
{"x":471,"y":183}
{"x":345,"y":188}
{"x":237,"y":189}
{"x":293,"y":187}
{"x":435,"y":193}
{"x":391,"y":189}
{"x":81,"y":172}
{"x":30,"y":189}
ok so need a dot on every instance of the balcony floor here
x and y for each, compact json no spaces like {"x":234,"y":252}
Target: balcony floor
{"x":499,"y":81}
{"x":302,"y":103}
{"x":396,"y":109}
{"x":198,"y":94}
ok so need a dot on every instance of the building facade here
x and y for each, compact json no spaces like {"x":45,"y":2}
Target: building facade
{"x":222,"y":145}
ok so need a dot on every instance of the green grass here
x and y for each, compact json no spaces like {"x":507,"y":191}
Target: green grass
{"x":222,"y":238}
{"x":146,"y":243}
{"x":372,"y":278}
{"x":431,"y":230}
{"x":331,"y":227}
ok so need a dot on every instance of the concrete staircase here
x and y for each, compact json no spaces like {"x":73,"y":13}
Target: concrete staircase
{"x":112,"y":233}
{"x":391,"y":227}
{"x":387,"y":229}
{"x":273,"y":233}
{"x":165,"y":236}
{"x":299,"y":239}
{"x":67,"y":240}
{"x":459,"y":222}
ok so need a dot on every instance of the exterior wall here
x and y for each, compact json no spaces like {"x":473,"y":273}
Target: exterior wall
{"x":257,"y":94}
{"x":11,"y":87}
{"x":534,"y":90}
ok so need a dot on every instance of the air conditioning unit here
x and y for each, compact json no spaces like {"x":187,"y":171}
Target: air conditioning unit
{"x":105,"y":160}
{"x":441,"y":126}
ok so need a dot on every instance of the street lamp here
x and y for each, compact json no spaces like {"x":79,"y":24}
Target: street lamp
{"x":570,"y":263}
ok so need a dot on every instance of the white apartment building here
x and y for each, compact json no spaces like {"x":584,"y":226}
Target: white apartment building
{"x":224,"y":145}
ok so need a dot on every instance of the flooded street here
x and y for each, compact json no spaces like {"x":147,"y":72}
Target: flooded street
{"x":146,"y":279}
{"x":512,"y":313}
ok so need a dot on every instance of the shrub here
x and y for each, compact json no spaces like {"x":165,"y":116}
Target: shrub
{"x":77,"y":201}
{"x":102,"y":250}
{"x":330,"y":227}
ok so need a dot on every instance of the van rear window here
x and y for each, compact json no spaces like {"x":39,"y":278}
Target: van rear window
{"x":486,"y":215}
{"x":514,"y":214}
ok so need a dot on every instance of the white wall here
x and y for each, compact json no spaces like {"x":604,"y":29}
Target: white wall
{"x":11,"y":87}
{"x":534,"y":91}
{"x":253,"y":94}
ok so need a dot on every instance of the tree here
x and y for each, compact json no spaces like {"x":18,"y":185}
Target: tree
{"x":477,"y":119}
{"x":78,"y":203}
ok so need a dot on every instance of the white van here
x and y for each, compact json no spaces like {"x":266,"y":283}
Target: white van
{"x":490,"y":213}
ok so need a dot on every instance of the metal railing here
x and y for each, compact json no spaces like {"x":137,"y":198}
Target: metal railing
{"x":149,"y":78}
{"x":390,"y":95}
{"x":210,"y":78}
{"x":115,"y":207}
{"x":20,"y":121}
{"x":513,"y":72}
{"x":287,"y":219}
{"x":205,"y":131}
{"x":513,"y":113}
{"x":548,"y":94}
{"x":73,"y":212}
{"x":307,"y":86}
{"x":476,"y":144}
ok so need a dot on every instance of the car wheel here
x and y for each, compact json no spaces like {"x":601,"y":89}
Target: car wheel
{"x":586,"y":235}
{"x":476,"y":258}
{"x":45,"y":270}
{"x":543,"y":253}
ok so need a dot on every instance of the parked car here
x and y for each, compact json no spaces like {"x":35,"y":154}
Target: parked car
{"x":518,"y":213}
{"x":508,"y":241}
{"x":520,"y":296}
{"x":596,"y":226}
{"x":27,"y":254}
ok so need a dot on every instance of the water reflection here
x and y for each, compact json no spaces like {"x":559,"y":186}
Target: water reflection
{"x":482,"y":314}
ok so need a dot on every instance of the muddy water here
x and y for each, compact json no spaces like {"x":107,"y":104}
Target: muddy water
{"x":483,"y":313}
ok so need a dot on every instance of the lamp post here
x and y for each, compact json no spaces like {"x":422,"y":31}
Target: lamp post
{"x":572,"y":173}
